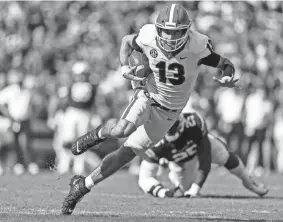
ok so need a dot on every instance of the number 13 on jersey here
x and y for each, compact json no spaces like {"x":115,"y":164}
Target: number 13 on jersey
{"x":173,"y":73}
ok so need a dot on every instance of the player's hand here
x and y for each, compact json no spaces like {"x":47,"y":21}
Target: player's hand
{"x":129,"y":73}
{"x":193,"y":191}
{"x":127,"y":70}
{"x":163,"y":162}
{"x":228,"y":77}
{"x":227,"y":81}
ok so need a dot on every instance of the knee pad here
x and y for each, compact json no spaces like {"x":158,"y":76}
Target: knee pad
{"x":232,"y":161}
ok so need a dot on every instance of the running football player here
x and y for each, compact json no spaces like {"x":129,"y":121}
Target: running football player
{"x":175,"y":52}
{"x":188,"y":151}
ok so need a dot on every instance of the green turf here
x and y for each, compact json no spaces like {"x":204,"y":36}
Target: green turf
{"x":39,"y":198}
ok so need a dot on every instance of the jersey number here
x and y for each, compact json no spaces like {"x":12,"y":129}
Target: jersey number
{"x":189,"y":150}
{"x":179,"y":75}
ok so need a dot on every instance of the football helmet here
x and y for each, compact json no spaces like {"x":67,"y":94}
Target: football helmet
{"x":176,"y":130}
{"x":174,"y":18}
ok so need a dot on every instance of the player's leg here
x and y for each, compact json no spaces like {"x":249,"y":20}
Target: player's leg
{"x":183,"y":175}
{"x":144,"y":137}
{"x":139,"y":111}
{"x":149,"y":182}
{"x":109,"y":165}
{"x":137,"y":143}
{"x":234,"y":164}
{"x":128,"y":123}
{"x":63,"y":158}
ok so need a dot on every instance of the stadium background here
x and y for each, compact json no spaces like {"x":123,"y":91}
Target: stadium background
{"x":43,"y":39}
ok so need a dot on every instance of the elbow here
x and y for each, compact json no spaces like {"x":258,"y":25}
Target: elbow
{"x":126,"y":40}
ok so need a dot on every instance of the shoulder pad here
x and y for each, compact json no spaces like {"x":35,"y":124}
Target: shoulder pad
{"x":194,"y":119}
{"x":147,"y":34}
{"x":198,"y":41}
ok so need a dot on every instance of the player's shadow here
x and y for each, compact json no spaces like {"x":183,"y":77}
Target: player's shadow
{"x":214,"y":196}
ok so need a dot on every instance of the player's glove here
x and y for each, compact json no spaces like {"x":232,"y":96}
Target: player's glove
{"x":128,"y":73}
{"x":163,"y":162}
{"x":193,"y":191}
{"x":227,"y":79}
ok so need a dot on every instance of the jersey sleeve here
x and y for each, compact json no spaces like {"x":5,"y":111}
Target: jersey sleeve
{"x":146,"y":35}
{"x":155,"y":153}
{"x":198,"y":42}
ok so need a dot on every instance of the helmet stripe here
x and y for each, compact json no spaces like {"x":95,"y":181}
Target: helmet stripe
{"x":171,"y":15}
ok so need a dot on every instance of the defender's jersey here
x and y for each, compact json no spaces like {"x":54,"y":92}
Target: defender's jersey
{"x":175,"y":91}
{"x":182,"y":146}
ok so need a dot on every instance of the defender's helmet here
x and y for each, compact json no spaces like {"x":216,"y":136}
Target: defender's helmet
{"x":175,"y":18}
{"x":177,"y":128}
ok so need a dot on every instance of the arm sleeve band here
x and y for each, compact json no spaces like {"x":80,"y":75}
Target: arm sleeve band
{"x":135,"y":44}
{"x":211,"y":60}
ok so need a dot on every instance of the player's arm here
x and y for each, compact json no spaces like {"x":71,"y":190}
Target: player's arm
{"x":129,"y":43}
{"x":210,"y":58}
{"x":148,"y":176}
{"x":204,"y":156}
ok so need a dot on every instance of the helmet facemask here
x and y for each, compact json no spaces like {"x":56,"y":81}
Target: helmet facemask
{"x":172,"y":45}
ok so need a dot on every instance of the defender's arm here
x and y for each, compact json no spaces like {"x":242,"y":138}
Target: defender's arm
{"x":204,"y":156}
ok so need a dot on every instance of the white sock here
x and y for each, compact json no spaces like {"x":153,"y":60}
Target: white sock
{"x":100,"y":135}
{"x":89,"y":182}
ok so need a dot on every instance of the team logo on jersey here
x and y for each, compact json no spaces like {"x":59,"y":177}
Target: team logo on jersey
{"x":153,"y":53}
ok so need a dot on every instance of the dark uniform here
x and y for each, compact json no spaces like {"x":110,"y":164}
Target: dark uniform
{"x":180,"y":144}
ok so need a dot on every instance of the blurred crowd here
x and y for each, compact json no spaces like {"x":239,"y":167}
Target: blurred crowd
{"x":47,"y":48}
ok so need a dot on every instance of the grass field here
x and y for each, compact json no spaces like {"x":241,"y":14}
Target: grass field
{"x":39,"y":198}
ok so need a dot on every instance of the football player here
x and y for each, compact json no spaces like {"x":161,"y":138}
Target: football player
{"x":175,"y":52}
{"x":73,"y":119}
{"x":186,"y":142}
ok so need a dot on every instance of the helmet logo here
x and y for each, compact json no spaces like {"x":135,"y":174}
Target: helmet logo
{"x":153,"y":53}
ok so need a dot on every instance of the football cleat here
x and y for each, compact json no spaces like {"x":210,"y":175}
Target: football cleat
{"x":256,"y":186}
{"x":77,"y":192}
{"x":86,"y":142}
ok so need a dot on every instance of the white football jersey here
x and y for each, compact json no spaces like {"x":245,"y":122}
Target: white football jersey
{"x":174,"y":92}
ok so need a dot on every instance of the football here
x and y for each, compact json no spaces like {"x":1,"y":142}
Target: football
{"x":140,"y":60}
